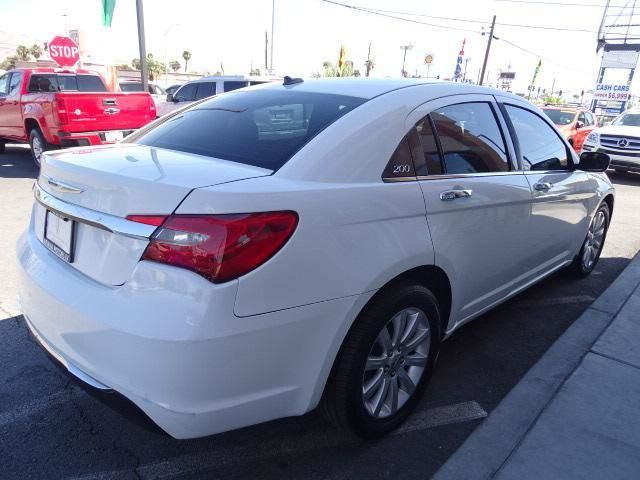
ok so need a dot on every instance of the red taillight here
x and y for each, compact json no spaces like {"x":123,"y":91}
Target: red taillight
{"x":61,"y":110}
{"x":155,"y":220}
{"x":219,"y":247}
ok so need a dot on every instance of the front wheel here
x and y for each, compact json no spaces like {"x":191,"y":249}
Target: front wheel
{"x":589,"y":255}
{"x":384,"y":363}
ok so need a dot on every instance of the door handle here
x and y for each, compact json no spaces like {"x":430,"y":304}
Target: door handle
{"x":543,"y":186}
{"x":453,"y":194}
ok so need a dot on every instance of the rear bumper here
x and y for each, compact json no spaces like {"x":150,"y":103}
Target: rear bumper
{"x":85,"y":139}
{"x":168,"y":341}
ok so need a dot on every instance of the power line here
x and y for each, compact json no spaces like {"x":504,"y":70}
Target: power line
{"x":560,"y":4}
{"x":383,"y":12}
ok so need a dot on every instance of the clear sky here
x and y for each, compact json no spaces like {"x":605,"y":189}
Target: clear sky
{"x":308,"y":32}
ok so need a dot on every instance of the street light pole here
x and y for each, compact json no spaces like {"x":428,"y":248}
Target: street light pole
{"x":486,"y":53}
{"x":273,"y":17}
{"x":144,"y":70}
{"x":404,"y":56}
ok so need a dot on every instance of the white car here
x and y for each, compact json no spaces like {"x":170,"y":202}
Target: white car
{"x":206,"y":87}
{"x":620,"y":140}
{"x":260,"y":252}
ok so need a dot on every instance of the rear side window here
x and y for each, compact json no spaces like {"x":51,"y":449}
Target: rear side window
{"x":401,"y":164}
{"x":470,"y":138}
{"x":4,"y":80}
{"x":14,"y":83}
{"x":540,"y":146}
{"x":264,"y":128}
{"x":432,"y":164}
{"x":230,"y":86}
{"x":186,"y":93}
{"x":43,"y":83}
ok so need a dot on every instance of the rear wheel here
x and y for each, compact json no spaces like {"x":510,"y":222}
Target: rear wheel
{"x":38,"y":145}
{"x":384,"y":363}
{"x":593,"y":244}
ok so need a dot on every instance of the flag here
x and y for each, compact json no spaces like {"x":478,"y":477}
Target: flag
{"x":342,"y":58}
{"x":458,"y":72}
{"x":107,"y":12}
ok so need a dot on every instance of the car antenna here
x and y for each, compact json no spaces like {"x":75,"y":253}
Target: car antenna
{"x":291,"y":81}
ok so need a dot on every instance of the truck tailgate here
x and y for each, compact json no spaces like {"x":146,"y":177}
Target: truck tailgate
{"x":90,"y":112}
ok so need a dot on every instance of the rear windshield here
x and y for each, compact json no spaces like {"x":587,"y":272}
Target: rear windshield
{"x":264,"y":128}
{"x":64,"y":82}
{"x":560,"y":117}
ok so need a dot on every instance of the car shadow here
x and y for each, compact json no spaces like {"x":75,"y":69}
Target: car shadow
{"x":16,"y":162}
{"x":624,"y":178}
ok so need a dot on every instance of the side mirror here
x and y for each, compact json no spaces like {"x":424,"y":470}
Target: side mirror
{"x":170,"y":97}
{"x":594,"y":161}
{"x":579,"y":125}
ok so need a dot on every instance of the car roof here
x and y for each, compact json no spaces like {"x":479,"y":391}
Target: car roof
{"x":368,"y":88}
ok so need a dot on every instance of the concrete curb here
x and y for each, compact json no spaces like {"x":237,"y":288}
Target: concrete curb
{"x":485,"y":451}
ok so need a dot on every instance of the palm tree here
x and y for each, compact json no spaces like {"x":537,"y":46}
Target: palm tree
{"x":36,"y":51}
{"x":186,"y":55}
{"x":23,"y":52}
{"x":174,"y":65}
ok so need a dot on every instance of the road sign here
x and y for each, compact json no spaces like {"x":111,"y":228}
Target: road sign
{"x":64,"y":51}
{"x":428,"y":59}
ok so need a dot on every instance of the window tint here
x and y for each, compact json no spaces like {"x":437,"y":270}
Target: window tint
{"x":560,"y":117}
{"x":230,"y":86}
{"x":260,"y":127}
{"x":187,"y":93}
{"x":14,"y":83}
{"x":590,"y":119}
{"x":401,"y":163}
{"x":131,"y":87}
{"x":43,"y":83}
{"x":205,"y":90}
{"x":256,"y":82}
{"x":540,"y":146}
{"x":470,"y":138}
{"x":90,"y":83}
{"x":581,"y":118}
{"x":427,"y":157}
{"x":3,"y":83}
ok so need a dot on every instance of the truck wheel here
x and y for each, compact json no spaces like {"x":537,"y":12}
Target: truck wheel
{"x":38,"y":145}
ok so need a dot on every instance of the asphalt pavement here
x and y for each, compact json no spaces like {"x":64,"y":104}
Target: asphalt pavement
{"x":52,"y":427}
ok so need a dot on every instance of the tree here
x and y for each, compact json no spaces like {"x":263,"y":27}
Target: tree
{"x":369,"y":65}
{"x":347,"y":70}
{"x":23,"y":53}
{"x":174,"y":65}
{"x":9,"y":63}
{"x":186,"y":56}
{"x":154,"y":67}
{"x":36,"y":51}
{"x":255,"y":72}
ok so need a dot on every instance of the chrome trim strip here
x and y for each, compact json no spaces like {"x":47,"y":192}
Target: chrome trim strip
{"x":468,"y":175}
{"x":63,"y":187}
{"x":104,"y":221}
{"x":398,"y":179}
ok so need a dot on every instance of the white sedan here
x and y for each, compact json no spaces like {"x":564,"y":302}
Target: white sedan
{"x":292,"y":244}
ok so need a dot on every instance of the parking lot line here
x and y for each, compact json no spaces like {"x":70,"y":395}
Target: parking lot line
{"x":36,"y":406}
{"x":286,"y":445}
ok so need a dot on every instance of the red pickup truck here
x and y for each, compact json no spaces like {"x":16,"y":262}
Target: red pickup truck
{"x":53,"y":108}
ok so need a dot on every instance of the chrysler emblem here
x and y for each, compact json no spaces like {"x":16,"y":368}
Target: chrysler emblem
{"x":623,"y":142}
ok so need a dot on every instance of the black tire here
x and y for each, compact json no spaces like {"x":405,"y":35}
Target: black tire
{"x":2,"y":146}
{"x":578,"y":267}
{"x":342,"y":403}
{"x":36,"y":136}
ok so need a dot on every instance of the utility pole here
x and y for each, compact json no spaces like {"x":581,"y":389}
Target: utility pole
{"x":144,"y":71}
{"x":466,"y":64}
{"x":273,"y":17}
{"x":368,"y":64}
{"x":486,"y":53}
{"x":553,"y":86}
{"x":266,"y":49}
{"x":404,"y":57}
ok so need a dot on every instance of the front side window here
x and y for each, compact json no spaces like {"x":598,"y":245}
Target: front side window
{"x":540,"y":146}
{"x":205,"y":90}
{"x":264,"y":127}
{"x":582,"y":119}
{"x":470,"y":138}
{"x":560,"y":117}
{"x":628,"y":120}
{"x":14,"y":83}
{"x":186,"y":93}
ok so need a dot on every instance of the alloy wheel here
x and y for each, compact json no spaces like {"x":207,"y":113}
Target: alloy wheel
{"x":594,"y":242}
{"x":37,"y":148}
{"x":396,"y":362}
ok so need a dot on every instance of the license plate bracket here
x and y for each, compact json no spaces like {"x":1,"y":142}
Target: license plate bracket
{"x":59,"y":235}
{"x":113,"y":136}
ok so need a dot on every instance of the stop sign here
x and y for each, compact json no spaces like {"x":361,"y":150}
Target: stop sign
{"x":64,"y":51}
